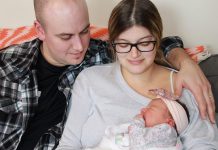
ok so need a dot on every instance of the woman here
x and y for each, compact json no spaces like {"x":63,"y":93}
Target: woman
{"x":122,"y":90}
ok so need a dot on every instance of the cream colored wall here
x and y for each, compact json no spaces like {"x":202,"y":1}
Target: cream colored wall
{"x":15,"y":13}
{"x":194,"y":20}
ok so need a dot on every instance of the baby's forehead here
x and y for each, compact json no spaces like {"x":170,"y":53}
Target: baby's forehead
{"x":157,"y":101}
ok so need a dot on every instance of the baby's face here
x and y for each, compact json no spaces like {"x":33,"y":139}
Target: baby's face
{"x":155,"y":113}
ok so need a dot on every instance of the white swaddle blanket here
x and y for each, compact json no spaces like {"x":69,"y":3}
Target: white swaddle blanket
{"x":135,"y":136}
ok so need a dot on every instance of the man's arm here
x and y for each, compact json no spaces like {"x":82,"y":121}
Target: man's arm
{"x":190,"y":76}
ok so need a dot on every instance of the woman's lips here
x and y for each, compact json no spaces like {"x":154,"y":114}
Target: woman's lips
{"x":135,"y":62}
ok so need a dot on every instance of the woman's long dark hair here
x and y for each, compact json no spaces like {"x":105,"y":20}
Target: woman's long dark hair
{"x":137,"y":12}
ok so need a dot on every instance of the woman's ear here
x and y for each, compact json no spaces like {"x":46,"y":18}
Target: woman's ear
{"x":171,"y":122}
{"x":39,"y":30}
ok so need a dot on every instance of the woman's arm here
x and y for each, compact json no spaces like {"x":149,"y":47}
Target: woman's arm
{"x":190,"y":76}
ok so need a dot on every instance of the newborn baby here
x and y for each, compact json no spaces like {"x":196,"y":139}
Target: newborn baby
{"x":155,"y":128}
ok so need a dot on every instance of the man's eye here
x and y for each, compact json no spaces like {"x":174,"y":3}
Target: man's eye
{"x":85,"y":31}
{"x":65,"y":38}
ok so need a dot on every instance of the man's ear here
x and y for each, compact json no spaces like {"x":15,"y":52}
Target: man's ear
{"x":39,"y":30}
{"x":171,"y":122}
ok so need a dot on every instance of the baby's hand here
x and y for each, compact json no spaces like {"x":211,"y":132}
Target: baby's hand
{"x":138,"y":122}
{"x":140,"y":116}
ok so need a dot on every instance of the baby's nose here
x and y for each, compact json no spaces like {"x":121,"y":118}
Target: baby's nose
{"x":143,"y":110}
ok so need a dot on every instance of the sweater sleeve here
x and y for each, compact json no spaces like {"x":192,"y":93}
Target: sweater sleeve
{"x":169,"y":43}
{"x":79,"y":110}
{"x":200,"y":134}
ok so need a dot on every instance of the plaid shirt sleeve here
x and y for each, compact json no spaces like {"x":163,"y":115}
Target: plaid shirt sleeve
{"x":169,"y":43}
{"x":98,"y":53}
{"x":16,"y":99}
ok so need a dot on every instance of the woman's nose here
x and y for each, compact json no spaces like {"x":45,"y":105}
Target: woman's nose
{"x":134,"y":52}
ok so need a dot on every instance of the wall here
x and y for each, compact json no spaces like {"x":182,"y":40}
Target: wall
{"x":15,"y":13}
{"x":193,"y":20}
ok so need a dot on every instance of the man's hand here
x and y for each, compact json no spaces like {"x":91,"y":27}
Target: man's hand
{"x":191,"y":77}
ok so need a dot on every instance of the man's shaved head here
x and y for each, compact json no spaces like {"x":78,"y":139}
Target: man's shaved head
{"x":63,"y":26}
{"x":41,"y":5}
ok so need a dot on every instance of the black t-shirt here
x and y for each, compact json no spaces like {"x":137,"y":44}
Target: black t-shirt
{"x":51,"y":104}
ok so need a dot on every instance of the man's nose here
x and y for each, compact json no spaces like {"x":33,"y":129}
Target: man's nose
{"x":77,"y":43}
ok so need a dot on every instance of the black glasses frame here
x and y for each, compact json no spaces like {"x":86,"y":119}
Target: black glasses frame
{"x":133,"y":45}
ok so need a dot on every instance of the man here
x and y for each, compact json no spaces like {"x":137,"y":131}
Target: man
{"x":36,"y":77}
